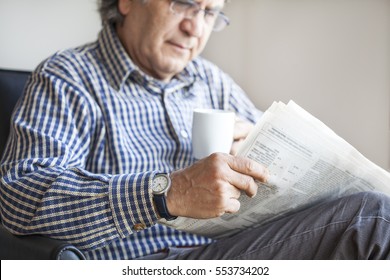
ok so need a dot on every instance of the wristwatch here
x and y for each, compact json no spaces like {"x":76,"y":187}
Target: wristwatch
{"x":161,"y":184}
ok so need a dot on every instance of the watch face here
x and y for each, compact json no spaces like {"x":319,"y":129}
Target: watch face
{"x":160,"y":183}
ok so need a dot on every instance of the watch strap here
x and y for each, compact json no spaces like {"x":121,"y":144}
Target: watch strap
{"x":161,"y":204}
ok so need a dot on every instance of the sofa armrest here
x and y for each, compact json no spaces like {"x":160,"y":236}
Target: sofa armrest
{"x":35,"y":247}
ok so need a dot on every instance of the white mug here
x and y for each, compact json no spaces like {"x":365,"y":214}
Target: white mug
{"x":212,"y":131}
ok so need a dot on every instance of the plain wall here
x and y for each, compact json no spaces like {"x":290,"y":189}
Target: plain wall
{"x":331,"y":56}
{"x":32,"y":30}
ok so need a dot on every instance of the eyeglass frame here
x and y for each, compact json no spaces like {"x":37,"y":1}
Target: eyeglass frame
{"x":194,"y":9}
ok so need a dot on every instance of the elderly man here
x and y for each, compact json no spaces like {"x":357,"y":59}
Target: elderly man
{"x":99,"y":125}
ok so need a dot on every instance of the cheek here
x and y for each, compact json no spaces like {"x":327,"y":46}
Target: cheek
{"x":151,"y":46}
{"x":201,"y":46}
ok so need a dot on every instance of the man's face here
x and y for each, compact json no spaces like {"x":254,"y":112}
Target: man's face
{"x":159,"y":42}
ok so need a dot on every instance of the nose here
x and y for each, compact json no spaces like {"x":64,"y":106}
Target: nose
{"x":194,"y":26}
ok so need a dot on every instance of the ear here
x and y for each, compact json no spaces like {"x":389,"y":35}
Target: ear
{"x":124,"y":6}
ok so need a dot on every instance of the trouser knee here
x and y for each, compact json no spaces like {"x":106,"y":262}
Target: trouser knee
{"x":371,"y":203}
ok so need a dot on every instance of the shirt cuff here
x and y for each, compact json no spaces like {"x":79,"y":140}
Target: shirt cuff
{"x":131,"y":202}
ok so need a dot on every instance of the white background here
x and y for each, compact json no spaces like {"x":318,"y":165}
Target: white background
{"x":112,"y":270}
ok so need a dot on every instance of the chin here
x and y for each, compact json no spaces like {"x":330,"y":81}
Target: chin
{"x":175,"y":68}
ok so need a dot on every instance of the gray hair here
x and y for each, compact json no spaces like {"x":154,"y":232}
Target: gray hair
{"x":109,"y":12}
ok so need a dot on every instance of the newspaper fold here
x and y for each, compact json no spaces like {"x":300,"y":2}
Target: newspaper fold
{"x":308,"y":164}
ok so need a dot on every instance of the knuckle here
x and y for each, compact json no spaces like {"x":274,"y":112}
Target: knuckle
{"x":218,"y":189}
{"x":248,"y":182}
{"x":217,"y":170}
{"x":250,"y":166}
{"x":218,"y":158}
{"x":217,"y":176}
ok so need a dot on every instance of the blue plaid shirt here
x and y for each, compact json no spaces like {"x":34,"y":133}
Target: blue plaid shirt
{"x":87,"y":136}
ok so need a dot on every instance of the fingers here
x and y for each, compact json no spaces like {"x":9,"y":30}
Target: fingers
{"x":233,"y":192}
{"x":243,"y":172}
{"x":231,"y":203}
{"x":247,"y":171}
{"x":233,"y":207}
{"x":241,"y":129}
{"x":248,"y":167}
{"x":236,"y":146}
{"x":211,"y":187}
{"x":244,"y":183}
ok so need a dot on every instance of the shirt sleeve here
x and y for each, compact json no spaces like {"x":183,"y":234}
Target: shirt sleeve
{"x":239,"y":102}
{"x":45,"y":186}
{"x":225,"y":93}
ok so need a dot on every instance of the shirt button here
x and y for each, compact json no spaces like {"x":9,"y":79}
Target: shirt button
{"x":184,"y":134}
{"x":139,"y":227}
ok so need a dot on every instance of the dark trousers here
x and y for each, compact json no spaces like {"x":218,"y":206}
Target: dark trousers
{"x":352,"y":227}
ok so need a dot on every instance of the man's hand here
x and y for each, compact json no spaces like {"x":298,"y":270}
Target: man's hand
{"x":211,"y":187}
{"x":241,"y":131}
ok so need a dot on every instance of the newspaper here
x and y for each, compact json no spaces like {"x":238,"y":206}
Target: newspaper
{"x":308,"y":164}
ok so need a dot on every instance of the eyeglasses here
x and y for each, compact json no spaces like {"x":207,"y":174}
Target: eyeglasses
{"x":189,"y":9}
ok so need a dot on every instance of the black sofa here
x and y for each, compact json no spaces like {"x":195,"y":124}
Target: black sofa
{"x":33,"y":247}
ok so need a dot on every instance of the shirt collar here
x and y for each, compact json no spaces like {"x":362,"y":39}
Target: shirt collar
{"x":115,"y":58}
